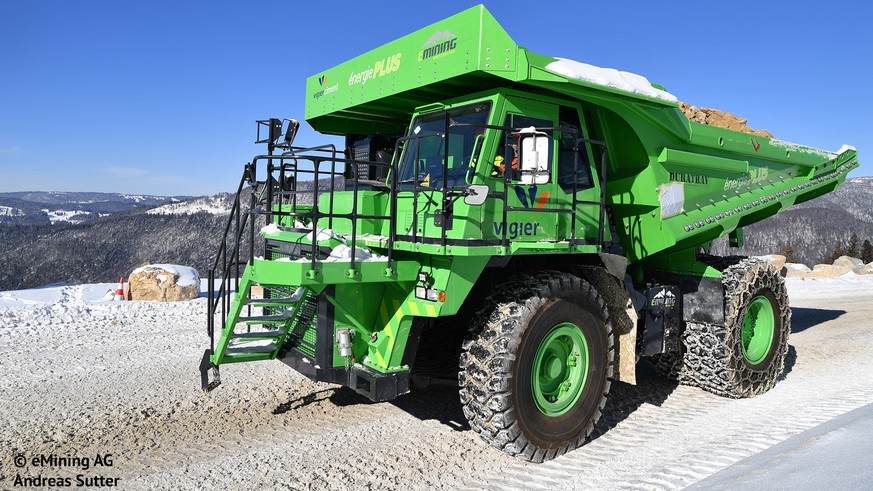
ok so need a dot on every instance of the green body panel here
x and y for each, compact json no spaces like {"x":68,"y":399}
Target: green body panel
{"x":651,"y":144}
{"x":671,"y":185}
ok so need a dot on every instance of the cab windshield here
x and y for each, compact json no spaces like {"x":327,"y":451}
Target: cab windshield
{"x":426,"y":159}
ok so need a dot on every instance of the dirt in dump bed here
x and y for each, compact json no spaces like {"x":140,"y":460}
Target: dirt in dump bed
{"x":714,"y":117}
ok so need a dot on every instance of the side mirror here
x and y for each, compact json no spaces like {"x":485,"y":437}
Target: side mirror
{"x":534,"y":156}
{"x":476,"y":194}
{"x":291,"y":132}
{"x":275,"y":129}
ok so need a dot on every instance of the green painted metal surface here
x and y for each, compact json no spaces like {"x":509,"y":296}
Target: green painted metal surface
{"x":560,"y":370}
{"x":758,"y":328}
{"x":671,"y":185}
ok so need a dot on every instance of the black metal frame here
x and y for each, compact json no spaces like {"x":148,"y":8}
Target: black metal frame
{"x":283,"y":171}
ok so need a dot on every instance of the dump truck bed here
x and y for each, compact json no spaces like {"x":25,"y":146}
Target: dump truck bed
{"x":671,"y":183}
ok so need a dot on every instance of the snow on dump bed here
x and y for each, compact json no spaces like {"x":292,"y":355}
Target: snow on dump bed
{"x":609,"y":77}
{"x":339,"y":253}
{"x":343,"y":253}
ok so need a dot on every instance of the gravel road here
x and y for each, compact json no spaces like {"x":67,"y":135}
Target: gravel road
{"x":82,"y":377}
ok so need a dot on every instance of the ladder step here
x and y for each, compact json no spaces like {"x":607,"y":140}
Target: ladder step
{"x":259,"y":335}
{"x":244,"y":350}
{"x":272,"y":301}
{"x":267,"y":319}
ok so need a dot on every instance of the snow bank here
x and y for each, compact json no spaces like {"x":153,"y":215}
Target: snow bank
{"x":609,"y":77}
{"x":847,"y":285}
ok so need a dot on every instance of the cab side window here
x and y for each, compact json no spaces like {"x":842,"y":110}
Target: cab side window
{"x":506,"y":158}
{"x":570,"y":170}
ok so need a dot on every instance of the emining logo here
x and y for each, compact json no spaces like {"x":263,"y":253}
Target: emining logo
{"x":442,"y":43}
{"x":322,"y":82}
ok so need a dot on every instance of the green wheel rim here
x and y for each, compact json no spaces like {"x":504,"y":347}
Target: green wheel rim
{"x":759,"y":324}
{"x":559,"y":369}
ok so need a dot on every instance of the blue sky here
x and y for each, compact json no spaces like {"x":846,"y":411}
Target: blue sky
{"x":160,"y":97}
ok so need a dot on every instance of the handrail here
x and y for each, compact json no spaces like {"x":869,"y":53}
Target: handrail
{"x":221,"y":259}
{"x":290,"y":168}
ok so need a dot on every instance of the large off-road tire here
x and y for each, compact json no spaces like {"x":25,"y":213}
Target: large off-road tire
{"x":745,"y":356}
{"x":534,"y":373}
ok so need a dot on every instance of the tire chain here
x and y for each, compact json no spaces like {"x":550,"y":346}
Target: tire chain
{"x":489,"y":350}
{"x":712,"y":358}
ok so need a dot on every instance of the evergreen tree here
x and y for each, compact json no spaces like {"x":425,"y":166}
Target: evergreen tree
{"x":838,"y":251}
{"x":788,"y":252}
{"x":867,"y":252}
{"x":852,"y":248}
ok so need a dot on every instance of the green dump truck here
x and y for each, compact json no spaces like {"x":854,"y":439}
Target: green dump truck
{"x":529,"y":224}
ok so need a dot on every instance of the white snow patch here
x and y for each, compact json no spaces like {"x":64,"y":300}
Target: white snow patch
{"x":847,"y":285}
{"x":10,"y":212}
{"x":343,"y":252}
{"x":798,"y":267}
{"x":845,"y":148}
{"x":208,"y":204}
{"x":796,"y":147}
{"x":270,"y":229}
{"x":609,"y":77}
{"x":324,"y":234}
{"x":65,"y":215}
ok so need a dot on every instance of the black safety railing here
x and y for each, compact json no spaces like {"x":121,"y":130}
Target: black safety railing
{"x":284,"y":199}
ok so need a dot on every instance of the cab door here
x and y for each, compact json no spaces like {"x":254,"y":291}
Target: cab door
{"x":528,"y":198}
{"x":577,"y":184}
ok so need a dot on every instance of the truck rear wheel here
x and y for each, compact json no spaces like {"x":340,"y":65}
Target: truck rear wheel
{"x":746,"y":356}
{"x":534,"y":372}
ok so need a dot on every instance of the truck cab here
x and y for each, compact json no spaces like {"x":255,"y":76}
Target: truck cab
{"x":527,"y":158}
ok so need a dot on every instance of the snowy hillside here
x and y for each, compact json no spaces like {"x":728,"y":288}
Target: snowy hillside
{"x":219,"y":204}
{"x":44,"y":207}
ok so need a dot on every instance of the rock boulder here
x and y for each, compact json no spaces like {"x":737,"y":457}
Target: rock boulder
{"x":164,"y":283}
{"x":714,"y":117}
{"x":775,"y":259}
{"x":794,"y":270}
{"x":849,"y":262}
{"x":828,"y":271}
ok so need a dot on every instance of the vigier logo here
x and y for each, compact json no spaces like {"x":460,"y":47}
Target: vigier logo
{"x":538,"y":201}
{"x":322,"y":82}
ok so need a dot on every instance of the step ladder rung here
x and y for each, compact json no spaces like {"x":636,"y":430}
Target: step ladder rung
{"x":245,"y":350}
{"x":267,"y":319}
{"x":267,"y":301}
{"x":259,"y":335}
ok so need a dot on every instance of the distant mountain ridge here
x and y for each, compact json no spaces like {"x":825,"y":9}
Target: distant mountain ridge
{"x":122,"y":232}
{"x":44,"y":207}
{"x":813,"y":228}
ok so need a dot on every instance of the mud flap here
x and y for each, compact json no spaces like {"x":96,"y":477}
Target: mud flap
{"x":663,"y":320}
{"x":205,"y":365}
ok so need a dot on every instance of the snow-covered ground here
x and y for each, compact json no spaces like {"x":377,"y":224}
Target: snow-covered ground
{"x":82,"y":375}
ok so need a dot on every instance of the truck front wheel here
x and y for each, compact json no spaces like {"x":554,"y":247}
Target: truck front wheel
{"x":534,"y":372}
